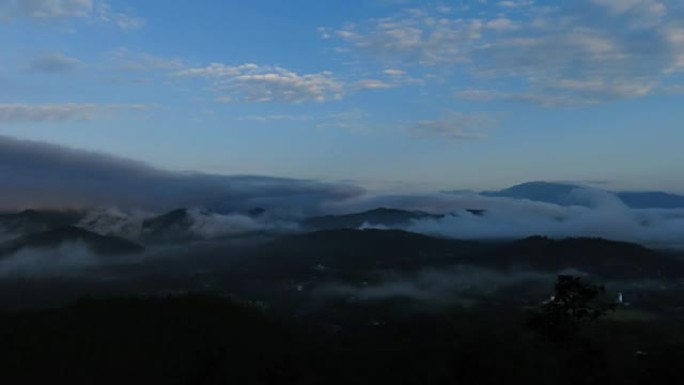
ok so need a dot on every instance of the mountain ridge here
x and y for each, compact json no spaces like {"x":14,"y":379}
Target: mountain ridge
{"x":559,"y":193}
{"x":99,"y":244}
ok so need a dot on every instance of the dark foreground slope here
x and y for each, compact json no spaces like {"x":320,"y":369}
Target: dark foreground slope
{"x":466,"y":326}
{"x":183,"y":340}
{"x":200,"y":339}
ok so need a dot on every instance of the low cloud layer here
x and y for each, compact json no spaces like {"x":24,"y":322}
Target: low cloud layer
{"x":69,"y":259}
{"x":604,"y":215}
{"x":439,"y":286}
{"x":35,"y":175}
{"x":212,"y":225}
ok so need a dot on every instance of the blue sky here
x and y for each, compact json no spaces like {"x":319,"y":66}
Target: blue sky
{"x":389,"y":94}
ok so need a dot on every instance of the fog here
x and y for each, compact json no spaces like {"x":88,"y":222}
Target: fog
{"x":604,"y":216}
{"x":212,"y":225}
{"x":70,"y":259}
{"x":440,"y":286}
{"x":203,"y":224}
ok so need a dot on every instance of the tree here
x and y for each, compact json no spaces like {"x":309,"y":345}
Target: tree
{"x":574,"y":303}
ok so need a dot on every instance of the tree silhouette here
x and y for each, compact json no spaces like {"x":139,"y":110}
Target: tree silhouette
{"x":574,"y":303}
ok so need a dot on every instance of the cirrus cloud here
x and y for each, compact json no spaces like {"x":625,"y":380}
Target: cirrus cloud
{"x":592,"y":51}
{"x":54,"y":63}
{"x":63,"y":9}
{"x":262,"y":84}
{"x":46,"y":9}
{"x":455,"y":125}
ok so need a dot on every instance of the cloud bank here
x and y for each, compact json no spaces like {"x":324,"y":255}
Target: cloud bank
{"x":38,"y":175}
{"x":604,"y":216}
{"x":35,"y":175}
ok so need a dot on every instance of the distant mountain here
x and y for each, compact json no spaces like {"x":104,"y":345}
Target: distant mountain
{"x":376,"y":217}
{"x":361,"y":254}
{"x":556,"y":193}
{"x":560,"y":194}
{"x":595,"y":256}
{"x":173,"y":226}
{"x":655,"y":199}
{"x":349,"y":254}
{"x":114,"y":222}
{"x":99,"y":244}
{"x":30,"y":221}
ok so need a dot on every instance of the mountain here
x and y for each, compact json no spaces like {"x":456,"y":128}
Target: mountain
{"x":560,"y":194}
{"x":30,"y":221}
{"x":173,"y":226}
{"x":595,"y":256}
{"x":113,"y":222}
{"x":376,"y":217}
{"x":556,"y":193}
{"x":345,"y":254}
{"x":654,"y":199}
{"x":99,"y":244}
{"x":359,"y":254}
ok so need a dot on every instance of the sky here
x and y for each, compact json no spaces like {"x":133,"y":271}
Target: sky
{"x":395,"y":95}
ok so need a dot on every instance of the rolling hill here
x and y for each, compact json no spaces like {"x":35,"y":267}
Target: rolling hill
{"x":99,"y":244}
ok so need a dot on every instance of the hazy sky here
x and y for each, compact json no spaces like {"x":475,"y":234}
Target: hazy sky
{"x":383,"y":93}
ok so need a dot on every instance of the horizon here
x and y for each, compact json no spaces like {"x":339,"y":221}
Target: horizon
{"x":392,"y":96}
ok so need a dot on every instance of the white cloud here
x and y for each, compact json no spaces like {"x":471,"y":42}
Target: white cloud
{"x":46,"y":9}
{"x":272,"y":118}
{"x":260,"y":84}
{"x":54,"y":63}
{"x":128,"y":60}
{"x":355,"y":120}
{"x":394,"y":72}
{"x":123,"y":20}
{"x":593,"y":51}
{"x":20,"y":113}
{"x":62,"y":9}
{"x":501,"y":24}
{"x":645,"y":8}
{"x":606,"y":217}
{"x":372,"y":84}
{"x":515,"y":3}
{"x":415,"y":35}
{"x":454,"y":125}
{"x":563,"y":93}
{"x":451,"y":125}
